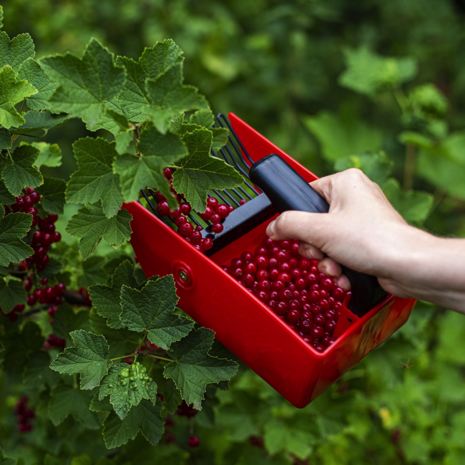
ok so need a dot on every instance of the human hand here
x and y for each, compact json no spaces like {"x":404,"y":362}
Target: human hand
{"x":361,"y":231}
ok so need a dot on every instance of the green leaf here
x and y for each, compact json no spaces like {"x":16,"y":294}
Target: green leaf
{"x":50,"y":154}
{"x":12,"y":92}
{"x":19,"y":172}
{"x":192,"y":368}
{"x":220,"y":135}
{"x":368,"y":73}
{"x":5,"y":460}
{"x":415,"y":138}
{"x":85,"y":83}
{"x":377,"y":166}
{"x":16,"y":51}
{"x":11,"y":293}
{"x":119,"y":126}
{"x":38,"y":373}
{"x":199,"y":172}
{"x":52,"y":193}
{"x":340,"y":137}
{"x":429,"y":98}
{"x":145,"y":418}
{"x":127,"y":385}
{"x":13,"y":228}
{"x":93,"y":272}
{"x":5,"y":139}
{"x":107,"y":299}
{"x":16,"y":356}
{"x":279,"y":436}
{"x":1,"y":16}
{"x":151,"y":310}
{"x":414,"y":206}
{"x":170,"y":98}
{"x":66,"y":320}
{"x":153,"y":62}
{"x":157,"y":151}
{"x":203,"y":118}
{"x":40,"y":121}
{"x":5,"y":197}
{"x":98,"y":405}
{"x":95,"y":180}
{"x":90,"y":225}
{"x":31,"y":71}
{"x":87,"y":357}
{"x":66,"y":400}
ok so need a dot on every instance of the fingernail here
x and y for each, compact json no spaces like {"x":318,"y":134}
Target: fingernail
{"x":270,"y":229}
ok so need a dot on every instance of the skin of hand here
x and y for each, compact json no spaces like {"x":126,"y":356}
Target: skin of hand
{"x":364,"y":232}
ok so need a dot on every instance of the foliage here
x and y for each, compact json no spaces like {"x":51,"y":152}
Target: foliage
{"x":374,"y":85}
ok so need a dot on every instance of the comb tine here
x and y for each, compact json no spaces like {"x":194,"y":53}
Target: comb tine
{"x":154,"y":209}
{"x":220,"y":196}
{"x":220,"y":117}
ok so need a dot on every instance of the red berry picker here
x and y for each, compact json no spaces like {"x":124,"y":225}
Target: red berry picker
{"x":234,"y":279}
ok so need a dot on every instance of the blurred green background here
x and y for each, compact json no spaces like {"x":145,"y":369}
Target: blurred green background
{"x":375,"y":84}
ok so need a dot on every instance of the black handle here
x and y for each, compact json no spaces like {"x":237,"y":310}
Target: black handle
{"x":287,"y":190}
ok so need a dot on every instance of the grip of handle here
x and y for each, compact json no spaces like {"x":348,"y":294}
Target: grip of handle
{"x":287,"y":190}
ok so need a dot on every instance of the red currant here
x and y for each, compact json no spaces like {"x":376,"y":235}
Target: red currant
{"x":181,"y":219}
{"x":251,"y":268}
{"x":193,"y":441}
{"x":215,"y":219}
{"x":242,"y":202}
{"x":217,"y":228}
{"x":163,"y":208}
{"x":262,"y":262}
{"x":212,"y":202}
{"x":185,"y":208}
{"x":186,"y":229}
{"x":207,"y":243}
{"x":168,"y":172}
{"x":222,"y":210}
{"x":208,"y":213}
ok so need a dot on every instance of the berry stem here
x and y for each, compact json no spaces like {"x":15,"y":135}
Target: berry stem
{"x":160,"y":358}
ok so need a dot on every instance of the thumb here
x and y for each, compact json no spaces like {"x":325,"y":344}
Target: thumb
{"x":312,"y":228}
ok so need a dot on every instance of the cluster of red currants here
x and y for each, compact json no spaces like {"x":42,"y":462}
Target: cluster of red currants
{"x":292,"y":286}
{"x":42,"y":239}
{"x":24,"y":415}
{"x":13,"y":315}
{"x":44,"y":294}
{"x":54,"y":341}
{"x":25,"y":203}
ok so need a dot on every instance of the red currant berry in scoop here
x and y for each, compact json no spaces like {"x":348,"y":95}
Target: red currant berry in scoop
{"x":237,"y":272}
{"x":262,"y":274}
{"x":248,"y":280}
{"x":295,"y":273}
{"x":186,"y":229}
{"x":306,"y":325}
{"x":163,"y":208}
{"x":295,"y":304}
{"x":212,"y":202}
{"x":215,"y":219}
{"x":185,"y":208}
{"x":281,"y":308}
{"x":338,"y":293}
{"x":300,"y":283}
{"x":251,"y":268}
{"x":222,"y":210}
{"x":263,"y":296}
{"x":193,"y":441}
{"x":317,"y":331}
{"x":293,"y":316}
{"x":247,"y":256}
{"x":181,"y":219}
{"x":284,"y":267}
{"x":295,"y":249}
{"x":320,"y":319}
{"x":261,"y":251}
{"x":230,"y":208}
{"x":319,"y":347}
{"x":207,"y":243}
{"x":208,"y":213}
{"x":242,"y":202}
{"x":217,"y":228}
{"x":264,"y":285}
{"x":327,"y":283}
{"x":274,"y":273}
{"x":262,"y":262}
{"x":196,"y":237}
{"x":284,"y":277}
{"x":330,"y":325}
{"x":278,"y":285}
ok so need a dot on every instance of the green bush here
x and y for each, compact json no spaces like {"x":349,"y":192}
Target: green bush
{"x":375,"y":85}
